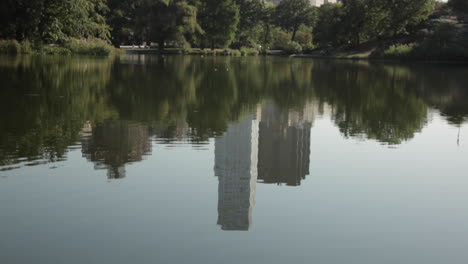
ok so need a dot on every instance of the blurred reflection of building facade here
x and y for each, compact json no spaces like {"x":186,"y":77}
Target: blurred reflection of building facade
{"x":284,"y":144}
{"x":112,"y":144}
{"x":236,"y":154}
{"x":273,"y":146}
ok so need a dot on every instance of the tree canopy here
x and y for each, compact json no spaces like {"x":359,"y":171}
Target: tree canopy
{"x":161,"y":20}
{"x":53,"y":21}
{"x":214,"y":23}
{"x":219,"y":20}
{"x":291,"y":14}
{"x":459,"y":5}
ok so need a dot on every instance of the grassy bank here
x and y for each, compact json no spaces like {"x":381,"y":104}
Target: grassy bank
{"x":445,"y":43}
{"x":92,"y":47}
{"x":14,"y":47}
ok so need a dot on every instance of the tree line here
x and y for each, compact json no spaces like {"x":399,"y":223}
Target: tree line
{"x":293,"y":24}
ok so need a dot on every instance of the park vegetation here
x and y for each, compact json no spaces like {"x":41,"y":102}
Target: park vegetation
{"x":230,"y":27}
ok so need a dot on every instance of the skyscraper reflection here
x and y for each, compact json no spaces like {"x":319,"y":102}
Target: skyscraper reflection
{"x":272,"y":145}
{"x":112,"y":144}
{"x":236,"y":168}
{"x":284,"y":144}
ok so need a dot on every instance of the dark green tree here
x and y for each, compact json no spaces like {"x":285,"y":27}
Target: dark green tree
{"x":459,"y":5}
{"x":54,"y":21}
{"x":121,"y":19}
{"x":219,"y":20}
{"x":404,"y":13}
{"x":357,"y":20}
{"x":291,"y":14}
{"x":162,"y":20}
{"x":267,"y":23}
{"x":250,"y":17}
{"x":329,"y":25}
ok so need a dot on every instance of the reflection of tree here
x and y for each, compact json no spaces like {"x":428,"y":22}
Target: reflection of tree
{"x":112,"y":144}
{"x":207,"y":93}
{"x":173,"y":90}
{"x":47,"y":100}
{"x":289,"y":82}
{"x":154,"y":88}
{"x":195,"y":97}
{"x":444,"y":89}
{"x":383,"y":102}
{"x":370,"y":101}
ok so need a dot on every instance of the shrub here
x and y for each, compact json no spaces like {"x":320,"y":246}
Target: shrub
{"x":194,"y":51}
{"x":186,"y":51}
{"x":231,"y":52}
{"x":89,"y":47}
{"x":264,"y":49}
{"x":26,"y":47}
{"x":399,"y":51}
{"x":308,"y":48}
{"x":292,"y":48}
{"x":443,"y":44}
{"x":304,"y":38}
{"x":227,"y":52}
{"x":281,"y":39}
{"x":53,"y":50}
{"x":248,"y":51}
{"x":209,"y":52}
{"x":10,"y":46}
{"x":186,"y":47}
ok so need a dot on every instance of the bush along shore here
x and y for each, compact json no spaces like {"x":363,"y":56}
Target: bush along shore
{"x":92,"y":47}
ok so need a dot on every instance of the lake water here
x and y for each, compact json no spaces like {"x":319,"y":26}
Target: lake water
{"x":180,"y":159}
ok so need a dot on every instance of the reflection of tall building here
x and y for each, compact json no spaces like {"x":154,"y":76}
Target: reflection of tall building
{"x":284,"y":144}
{"x":236,"y":167}
{"x":112,"y":144}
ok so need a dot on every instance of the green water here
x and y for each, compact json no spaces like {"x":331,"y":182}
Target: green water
{"x":176,"y":159}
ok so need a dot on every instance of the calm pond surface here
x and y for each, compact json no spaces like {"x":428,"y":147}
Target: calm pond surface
{"x":180,"y":159}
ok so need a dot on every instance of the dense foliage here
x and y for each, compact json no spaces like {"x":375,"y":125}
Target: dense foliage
{"x":291,"y":14}
{"x":292,"y":25}
{"x":459,"y":5}
{"x":357,"y":21}
{"x":219,"y":19}
{"x":53,"y":21}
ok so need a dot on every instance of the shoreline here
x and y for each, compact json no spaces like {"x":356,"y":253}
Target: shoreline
{"x":344,"y":56}
{"x":278,"y":53}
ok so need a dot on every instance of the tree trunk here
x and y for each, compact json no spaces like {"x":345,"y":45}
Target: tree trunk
{"x":212,"y":44}
{"x":294,"y":34}
{"x":161,"y":44}
{"x":267,"y":34}
{"x":357,"y":39}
